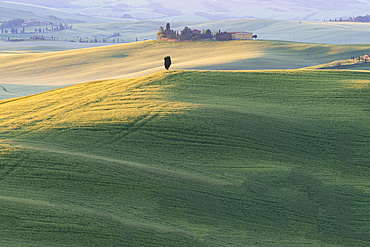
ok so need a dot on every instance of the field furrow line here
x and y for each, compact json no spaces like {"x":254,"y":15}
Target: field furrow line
{"x":182,"y":176}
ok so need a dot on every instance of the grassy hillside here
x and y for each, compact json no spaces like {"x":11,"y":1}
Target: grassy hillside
{"x":144,"y":58}
{"x":187,"y":158}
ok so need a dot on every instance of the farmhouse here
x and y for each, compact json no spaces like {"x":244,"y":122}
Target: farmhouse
{"x":365,"y":57}
{"x":37,"y":37}
{"x":196,"y":31}
{"x":29,"y":22}
{"x":241,"y":35}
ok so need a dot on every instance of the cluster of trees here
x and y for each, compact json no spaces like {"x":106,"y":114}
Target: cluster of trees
{"x":188,"y":34}
{"x":14,"y":30}
{"x":359,"y":18}
{"x":54,"y":28}
{"x":95,"y":40}
{"x":223,"y":36}
{"x":12,"y":24}
{"x":185,"y":34}
{"x":167,"y":33}
{"x":115,"y":35}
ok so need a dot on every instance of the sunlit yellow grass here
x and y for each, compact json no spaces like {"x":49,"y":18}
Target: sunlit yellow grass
{"x":6,"y":147}
{"x":144,"y":58}
{"x":359,"y":84}
{"x":122,"y":101}
{"x":128,"y":60}
{"x":120,"y":61}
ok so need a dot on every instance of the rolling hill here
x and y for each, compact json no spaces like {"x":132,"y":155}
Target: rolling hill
{"x":143,"y":58}
{"x":189,"y":158}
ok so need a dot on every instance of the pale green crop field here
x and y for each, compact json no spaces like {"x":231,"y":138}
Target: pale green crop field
{"x":318,"y":32}
{"x":8,"y":91}
{"x":189,"y":158}
{"x":227,"y":149}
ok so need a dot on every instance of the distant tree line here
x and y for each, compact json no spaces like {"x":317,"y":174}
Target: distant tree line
{"x":19,"y":26}
{"x":359,"y":18}
{"x":12,"y":24}
{"x":95,"y":40}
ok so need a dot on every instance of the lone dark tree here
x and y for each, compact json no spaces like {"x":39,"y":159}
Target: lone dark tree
{"x":170,"y":34}
{"x":168,"y":29}
{"x":167,"y":62}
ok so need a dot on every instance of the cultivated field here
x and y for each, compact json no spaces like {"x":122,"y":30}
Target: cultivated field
{"x":143,"y":58}
{"x":189,"y":158}
{"x":242,"y":143}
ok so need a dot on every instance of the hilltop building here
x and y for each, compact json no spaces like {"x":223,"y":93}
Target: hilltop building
{"x":30,"y":22}
{"x":196,"y":31}
{"x":33,"y":22}
{"x":241,"y":35}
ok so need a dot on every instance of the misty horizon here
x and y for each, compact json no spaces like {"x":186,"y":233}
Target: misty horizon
{"x":207,"y":10}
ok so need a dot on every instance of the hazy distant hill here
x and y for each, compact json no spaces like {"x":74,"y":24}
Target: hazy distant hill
{"x":203,"y":10}
{"x":12,"y":10}
{"x":299,"y":31}
{"x":101,"y":20}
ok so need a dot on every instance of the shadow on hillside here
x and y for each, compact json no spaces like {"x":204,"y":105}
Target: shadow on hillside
{"x":286,"y":57}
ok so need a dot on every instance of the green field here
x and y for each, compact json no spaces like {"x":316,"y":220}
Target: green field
{"x":189,"y":158}
{"x":243,"y":143}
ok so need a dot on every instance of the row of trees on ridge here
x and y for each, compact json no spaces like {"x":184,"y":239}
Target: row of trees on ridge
{"x":19,"y":26}
{"x":360,"y":18}
{"x":188,"y":34}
